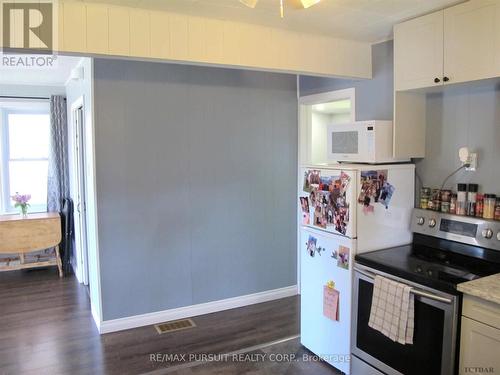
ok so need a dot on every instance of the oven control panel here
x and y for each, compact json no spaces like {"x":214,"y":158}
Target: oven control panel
{"x":465,"y":229}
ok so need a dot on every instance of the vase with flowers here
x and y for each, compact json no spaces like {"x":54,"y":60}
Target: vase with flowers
{"x":21,"y":201}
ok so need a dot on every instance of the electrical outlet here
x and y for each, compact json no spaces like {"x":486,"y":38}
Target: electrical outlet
{"x":472,"y":160}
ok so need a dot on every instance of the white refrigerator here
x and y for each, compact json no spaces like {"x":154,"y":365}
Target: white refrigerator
{"x":344,"y":210}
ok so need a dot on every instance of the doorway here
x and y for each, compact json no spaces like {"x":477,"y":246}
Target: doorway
{"x":316,"y":113}
{"x":80,"y":190}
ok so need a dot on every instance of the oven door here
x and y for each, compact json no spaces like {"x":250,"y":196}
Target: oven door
{"x":434,"y":340}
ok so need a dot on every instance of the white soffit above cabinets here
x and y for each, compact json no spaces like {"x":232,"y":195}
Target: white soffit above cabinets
{"x":362,"y":20}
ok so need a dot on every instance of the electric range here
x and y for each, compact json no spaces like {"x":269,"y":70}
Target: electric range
{"x":446,"y":251}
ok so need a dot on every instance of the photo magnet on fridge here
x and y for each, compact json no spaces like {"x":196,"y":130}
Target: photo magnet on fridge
{"x":375,"y":189}
{"x":311,"y":180}
{"x":328,"y":201}
{"x":386,"y":194}
{"x":304,"y":204}
{"x":343,"y":257}
{"x":312,"y":246}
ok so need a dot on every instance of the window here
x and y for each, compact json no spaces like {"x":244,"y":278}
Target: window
{"x":25,"y":150}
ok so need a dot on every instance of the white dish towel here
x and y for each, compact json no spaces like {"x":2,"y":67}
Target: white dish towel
{"x":392,"y":311}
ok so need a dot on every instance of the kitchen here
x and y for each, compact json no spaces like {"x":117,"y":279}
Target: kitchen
{"x":445,"y":250}
{"x":269,"y":193}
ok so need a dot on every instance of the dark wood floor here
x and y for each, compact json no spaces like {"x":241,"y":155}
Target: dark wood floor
{"x":46,"y":328}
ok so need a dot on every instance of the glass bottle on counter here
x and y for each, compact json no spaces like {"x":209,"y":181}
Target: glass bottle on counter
{"x":445,"y":201}
{"x":471,"y":199}
{"x":489,"y":206}
{"x":479,"y":205}
{"x":453,"y":203}
{"x":461,"y":199}
{"x":497,"y":209}
{"x":425,"y":196}
{"x":436,"y":200}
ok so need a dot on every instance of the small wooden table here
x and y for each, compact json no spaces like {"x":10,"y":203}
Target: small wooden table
{"x":36,"y":232}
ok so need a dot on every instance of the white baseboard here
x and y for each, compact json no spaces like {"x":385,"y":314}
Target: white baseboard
{"x":96,"y":317}
{"x":135,"y":321}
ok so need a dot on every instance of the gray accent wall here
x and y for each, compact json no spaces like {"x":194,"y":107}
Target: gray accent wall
{"x":463,"y":116}
{"x":374,"y":97}
{"x":196,"y":184}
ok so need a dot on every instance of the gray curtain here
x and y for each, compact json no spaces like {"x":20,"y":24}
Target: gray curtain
{"x":58,"y":182}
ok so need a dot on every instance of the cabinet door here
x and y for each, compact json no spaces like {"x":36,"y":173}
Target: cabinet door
{"x":418,"y":52}
{"x":472,"y":41}
{"x":479,"y":347}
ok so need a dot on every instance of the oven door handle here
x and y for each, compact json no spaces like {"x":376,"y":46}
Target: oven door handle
{"x":415,"y":291}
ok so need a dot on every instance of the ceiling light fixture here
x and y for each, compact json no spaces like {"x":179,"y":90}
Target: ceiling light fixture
{"x":304,"y":4}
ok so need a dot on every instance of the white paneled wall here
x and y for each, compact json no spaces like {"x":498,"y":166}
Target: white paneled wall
{"x":122,"y":31}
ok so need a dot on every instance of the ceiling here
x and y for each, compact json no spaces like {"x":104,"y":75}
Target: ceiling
{"x":54,"y":76}
{"x":363,"y":20}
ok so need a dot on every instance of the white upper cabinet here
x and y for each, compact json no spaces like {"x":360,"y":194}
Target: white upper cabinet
{"x":418,"y":52}
{"x":472,"y":41}
{"x":458,"y":44}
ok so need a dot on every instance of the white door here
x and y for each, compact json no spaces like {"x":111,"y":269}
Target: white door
{"x":418,"y":52}
{"x":472,"y":41}
{"x":80,"y":194}
{"x":327,"y":200}
{"x":325,"y":301}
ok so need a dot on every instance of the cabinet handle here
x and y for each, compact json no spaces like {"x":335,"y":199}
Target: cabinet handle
{"x":446,"y":79}
{"x":437,"y":80}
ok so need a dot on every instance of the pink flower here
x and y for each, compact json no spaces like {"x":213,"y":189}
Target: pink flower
{"x":21,"y":199}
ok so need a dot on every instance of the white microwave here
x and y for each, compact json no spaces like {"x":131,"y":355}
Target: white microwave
{"x":361,"y":142}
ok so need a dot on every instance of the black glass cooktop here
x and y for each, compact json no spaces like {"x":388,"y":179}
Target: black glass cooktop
{"x":439,"y":264}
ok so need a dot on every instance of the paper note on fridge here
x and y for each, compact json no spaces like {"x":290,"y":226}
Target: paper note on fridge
{"x":331,"y":303}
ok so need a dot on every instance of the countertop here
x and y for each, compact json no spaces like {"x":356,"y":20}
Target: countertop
{"x":487,"y":288}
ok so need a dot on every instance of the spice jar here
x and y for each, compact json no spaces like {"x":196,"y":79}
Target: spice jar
{"x":497,"y":209}
{"x":424,"y":203}
{"x":453,"y":204}
{"x":436,"y":199}
{"x":461,"y":199}
{"x":445,"y":207}
{"x":445,"y":201}
{"x":425,"y":196}
{"x":479,"y":205}
{"x":489,"y":206}
{"x":471,"y":199}
{"x":445,"y":195}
